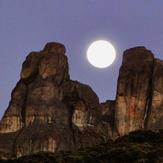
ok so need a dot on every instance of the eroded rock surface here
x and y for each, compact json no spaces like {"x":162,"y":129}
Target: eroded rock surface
{"x":155,"y":113}
{"x":50,"y":112}
{"x":134,"y":85}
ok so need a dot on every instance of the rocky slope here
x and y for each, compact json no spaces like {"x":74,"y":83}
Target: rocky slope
{"x":50,"y":112}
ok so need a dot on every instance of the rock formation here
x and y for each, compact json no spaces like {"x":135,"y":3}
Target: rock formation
{"x":139,"y":100}
{"x":133,"y":91}
{"x":155,"y":112}
{"x":50,"y":112}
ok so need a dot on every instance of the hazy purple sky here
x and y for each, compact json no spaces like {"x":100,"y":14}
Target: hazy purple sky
{"x":26,"y":25}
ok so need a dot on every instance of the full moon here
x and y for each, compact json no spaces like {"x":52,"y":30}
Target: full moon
{"x":101,"y":54}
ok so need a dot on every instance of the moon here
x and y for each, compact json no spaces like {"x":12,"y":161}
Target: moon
{"x":101,"y":54}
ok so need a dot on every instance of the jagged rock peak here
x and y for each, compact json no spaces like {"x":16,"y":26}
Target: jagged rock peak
{"x":50,"y":62}
{"x":137,"y":56}
{"x":55,"y":47}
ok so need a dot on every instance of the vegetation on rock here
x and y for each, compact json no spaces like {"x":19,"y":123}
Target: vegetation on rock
{"x":136,"y":147}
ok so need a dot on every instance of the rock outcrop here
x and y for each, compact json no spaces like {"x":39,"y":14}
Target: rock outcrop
{"x":155,"y":112}
{"x":139,"y":100}
{"x":133,"y":90}
{"x":50,"y":112}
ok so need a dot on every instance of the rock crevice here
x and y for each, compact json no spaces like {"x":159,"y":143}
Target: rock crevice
{"x":149,"y":98}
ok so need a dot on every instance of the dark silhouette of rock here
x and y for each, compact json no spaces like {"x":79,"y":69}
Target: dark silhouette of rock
{"x":50,"y":112}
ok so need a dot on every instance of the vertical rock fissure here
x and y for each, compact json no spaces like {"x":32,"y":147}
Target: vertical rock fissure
{"x":23,"y":122}
{"x":69,"y":101}
{"x":113,"y":123}
{"x":149,"y":98}
{"x":23,"y":114}
{"x":14,"y":148}
{"x":71,"y":126}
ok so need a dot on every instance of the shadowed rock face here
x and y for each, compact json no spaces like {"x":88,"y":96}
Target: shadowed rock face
{"x":50,"y":112}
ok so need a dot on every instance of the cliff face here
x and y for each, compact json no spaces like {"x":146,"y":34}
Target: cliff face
{"x":134,"y":88}
{"x":50,"y":112}
{"x":139,"y":93}
{"x":155,"y":112}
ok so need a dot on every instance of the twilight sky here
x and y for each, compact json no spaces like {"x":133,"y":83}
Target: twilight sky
{"x":27,"y":25}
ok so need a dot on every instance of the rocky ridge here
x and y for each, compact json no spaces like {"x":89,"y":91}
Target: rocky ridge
{"x":50,"y":112}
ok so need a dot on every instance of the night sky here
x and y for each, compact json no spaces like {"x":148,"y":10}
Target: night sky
{"x":27,"y":25}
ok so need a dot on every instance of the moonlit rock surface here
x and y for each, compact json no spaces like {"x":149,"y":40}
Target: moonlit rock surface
{"x":50,"y":112}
